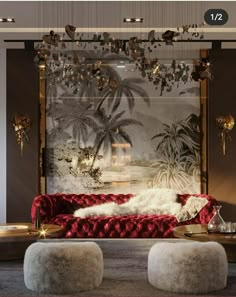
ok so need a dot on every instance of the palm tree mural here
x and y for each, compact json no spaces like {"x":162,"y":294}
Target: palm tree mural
{"x":178,"y":137}
{"x":78,"y":113}
{"x":193,"y":165}
{"x":171,"y":172}
{"x":102,"y":119}
{"x":71,"y":112}
{"x":83,"y":84}
{"x":86,"y":87}
{"x":119,"y":88}
{"x":110,"y":129}
{"x":179,"y":154}
{"x":116,"y":88}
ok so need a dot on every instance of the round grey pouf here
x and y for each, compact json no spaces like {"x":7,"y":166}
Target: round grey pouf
{"x":63,"y":267}
{"x":193,"y":267}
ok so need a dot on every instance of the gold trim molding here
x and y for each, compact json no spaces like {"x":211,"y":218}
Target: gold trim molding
{"x":42,"y":128}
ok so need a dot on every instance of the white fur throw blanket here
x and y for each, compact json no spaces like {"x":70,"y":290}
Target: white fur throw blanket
{"x":153,"y":201}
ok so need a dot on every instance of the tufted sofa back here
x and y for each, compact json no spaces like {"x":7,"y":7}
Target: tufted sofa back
{"x":54,"y":204}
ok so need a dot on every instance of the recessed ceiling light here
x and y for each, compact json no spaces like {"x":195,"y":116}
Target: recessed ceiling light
{"x":7,"y":20}
{"x":133,"y":20}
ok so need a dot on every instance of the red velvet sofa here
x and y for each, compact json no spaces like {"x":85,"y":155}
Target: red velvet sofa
{"x":59,"y":208}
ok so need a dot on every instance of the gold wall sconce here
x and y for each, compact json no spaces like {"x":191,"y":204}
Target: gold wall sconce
{"x":21,"y":126}
{"x":225,"y":124}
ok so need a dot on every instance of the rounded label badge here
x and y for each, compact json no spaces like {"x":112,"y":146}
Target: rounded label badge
{"x":216,"y":17}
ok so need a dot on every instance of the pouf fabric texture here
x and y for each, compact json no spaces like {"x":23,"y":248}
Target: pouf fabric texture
{"x":192,"y":267}
{"x":63,"y":268}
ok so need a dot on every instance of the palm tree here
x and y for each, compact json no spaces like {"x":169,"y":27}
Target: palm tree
{"x":57,"y":135}
{"x":110,"y":130}
{"x":73,"y":113}
{"x":83,"y":83}
{"x":87,"y":88}
{"x":179,"y":153}
{"x":177,"y":137}
{"x":193,"y":165}
{"x":194,"y":122}
{"x":128,"y":87}
{"x":115,"y":88}
{"x":171,"y":173}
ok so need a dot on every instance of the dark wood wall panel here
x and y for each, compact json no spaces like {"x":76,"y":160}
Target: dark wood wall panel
{"x":22,"y":98}
{"x":222,"y":101}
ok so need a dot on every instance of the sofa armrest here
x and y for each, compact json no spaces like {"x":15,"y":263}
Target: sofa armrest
{"x":51,"y":206}
{"x":206,"y":213}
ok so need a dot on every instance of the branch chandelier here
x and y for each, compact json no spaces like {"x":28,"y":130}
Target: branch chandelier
{"x":62,"y":66}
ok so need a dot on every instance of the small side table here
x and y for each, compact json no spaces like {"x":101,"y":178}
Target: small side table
{"x":16,"y":237}
{"x":199,"y":232}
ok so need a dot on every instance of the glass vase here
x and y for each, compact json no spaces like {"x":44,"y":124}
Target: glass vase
{"x":216,"y":223}
{"x":37,"y":223}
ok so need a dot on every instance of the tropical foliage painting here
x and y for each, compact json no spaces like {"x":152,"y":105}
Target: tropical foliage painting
{"x":123,"y":139}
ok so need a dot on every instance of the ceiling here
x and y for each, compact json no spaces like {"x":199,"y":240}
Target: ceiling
{"x":34,"y":18}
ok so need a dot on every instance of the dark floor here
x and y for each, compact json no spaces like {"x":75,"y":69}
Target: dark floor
{"x":125,"y":274}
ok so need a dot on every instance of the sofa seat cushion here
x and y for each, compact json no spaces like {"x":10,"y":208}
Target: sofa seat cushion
{"x":132,"y":226}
